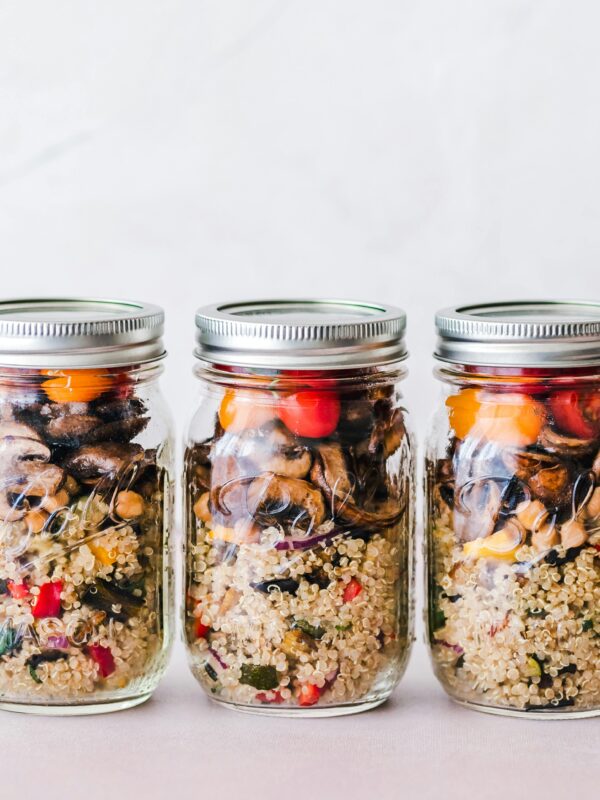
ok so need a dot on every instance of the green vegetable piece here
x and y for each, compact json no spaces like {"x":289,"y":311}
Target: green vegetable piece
{"x":345,"y":627}
{"x":588,"y":624}
{"x":315,"y":631}
{"x":34,"y":674}
{"x":210,"y":671}
{"x":10,"y":639}
{"x":263,"y":678}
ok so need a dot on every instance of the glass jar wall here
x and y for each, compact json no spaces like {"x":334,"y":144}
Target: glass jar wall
{"x":513,"y":501}
{"x":85,"y":504}
{"x":298,"y":495}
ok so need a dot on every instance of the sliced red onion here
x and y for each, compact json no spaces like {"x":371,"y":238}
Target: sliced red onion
{"x":308,"y":542}
{"x":330,"y":679}
{"x":456,"y":647}
{"x":58,"y":643}
{"x":217,"y":658}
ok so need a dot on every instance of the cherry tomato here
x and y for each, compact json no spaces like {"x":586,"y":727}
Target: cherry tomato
{"x":308,"y":694}
{"x":512,"y":418}
{"x":577,"y":413}
{"x":242,"y":409}
{"x":352,"y":590}
{"x":76,"y":386}
{"x":310,"y":414}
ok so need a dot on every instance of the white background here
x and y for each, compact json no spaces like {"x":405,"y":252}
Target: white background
{"x":419,"y":152}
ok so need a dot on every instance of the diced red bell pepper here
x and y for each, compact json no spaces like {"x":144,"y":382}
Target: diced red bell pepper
{"x":352,"y":590}
{"x":200,"y":630}
{"x":103,"y":657}
{"x":263,"y":698}
{"x":47,"y":602}
{"x":308,"y":694}
{"x":18,"y":590}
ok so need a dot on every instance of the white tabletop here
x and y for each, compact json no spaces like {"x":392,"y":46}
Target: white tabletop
{"x":181,"y":745}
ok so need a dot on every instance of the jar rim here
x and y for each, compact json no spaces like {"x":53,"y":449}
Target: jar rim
{"x":520,"y":333}
{"x":301,"y":333}
{"x":79,"y":333}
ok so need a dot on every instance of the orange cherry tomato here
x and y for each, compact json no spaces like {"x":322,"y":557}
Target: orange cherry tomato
{"x":507,"y":418}
{"x":75,"y":386}
{"x":246,"y":408}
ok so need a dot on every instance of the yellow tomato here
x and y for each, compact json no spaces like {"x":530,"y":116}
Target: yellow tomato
{"x":75,"y":386}
{"x":241,"y":409}
{"x":504,"y":418}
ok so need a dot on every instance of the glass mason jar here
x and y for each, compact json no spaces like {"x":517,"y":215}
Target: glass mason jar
{"x":513,"y":485}
{"x":299,"y":508}
{"x":85,"y":506}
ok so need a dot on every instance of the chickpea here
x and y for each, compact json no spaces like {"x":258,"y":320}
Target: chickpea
{"x":129,"y":505}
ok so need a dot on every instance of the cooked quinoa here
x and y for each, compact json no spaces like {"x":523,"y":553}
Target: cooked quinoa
{"x":359,"y":646}
{"x":524,"y":635}
{"x":78,"y":558}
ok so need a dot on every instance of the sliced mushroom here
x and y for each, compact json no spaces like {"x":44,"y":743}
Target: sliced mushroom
{"x":552,"y":485}
{"x":277,"y":450}
{"x":72,"y":430}
{"x":564,"y":445}
{"x":10,"y":428}
{"x":118,"y":409}
{"x":546,"y":476}
{"x":93,"y":461}
{"x":330,"y":470}
{"x":477,"y":509}
{"x":330,"y":475}
{"x":276,"y":496}
{"x":120,"y":430}
{"x":388,"y":433}
{"x":18,"y":448}
{"x":24,"y":471}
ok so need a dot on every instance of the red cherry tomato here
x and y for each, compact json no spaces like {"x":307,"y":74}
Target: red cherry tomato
{"x":311,"y":414}
{"x":308,"y":694}
{"x":577,"y":413}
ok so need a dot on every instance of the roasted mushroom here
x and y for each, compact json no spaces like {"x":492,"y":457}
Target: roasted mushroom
{"x":94,"y":461}
{"x":568,"y":446}
{"x":274,"y":497}
{"x":330,"y":475}
{"x":26,"y":477}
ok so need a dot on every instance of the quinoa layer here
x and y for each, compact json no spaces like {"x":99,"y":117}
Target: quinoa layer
{"x":522,"y":635}
{"x":302,"y":628}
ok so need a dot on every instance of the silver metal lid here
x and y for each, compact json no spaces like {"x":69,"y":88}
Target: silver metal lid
{"x":79,"y":333}
{"x":522,"y":333}
{"x":324,"y":334}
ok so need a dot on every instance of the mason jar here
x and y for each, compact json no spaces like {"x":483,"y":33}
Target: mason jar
{"x":513,"y":485}
{"x":85,"y":505}
{"x":298,"y":505}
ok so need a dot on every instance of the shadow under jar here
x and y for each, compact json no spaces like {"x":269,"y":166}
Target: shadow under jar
{"x":298,"y":495}
{"x":513,"y":485}
{"x":85,"y":458}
